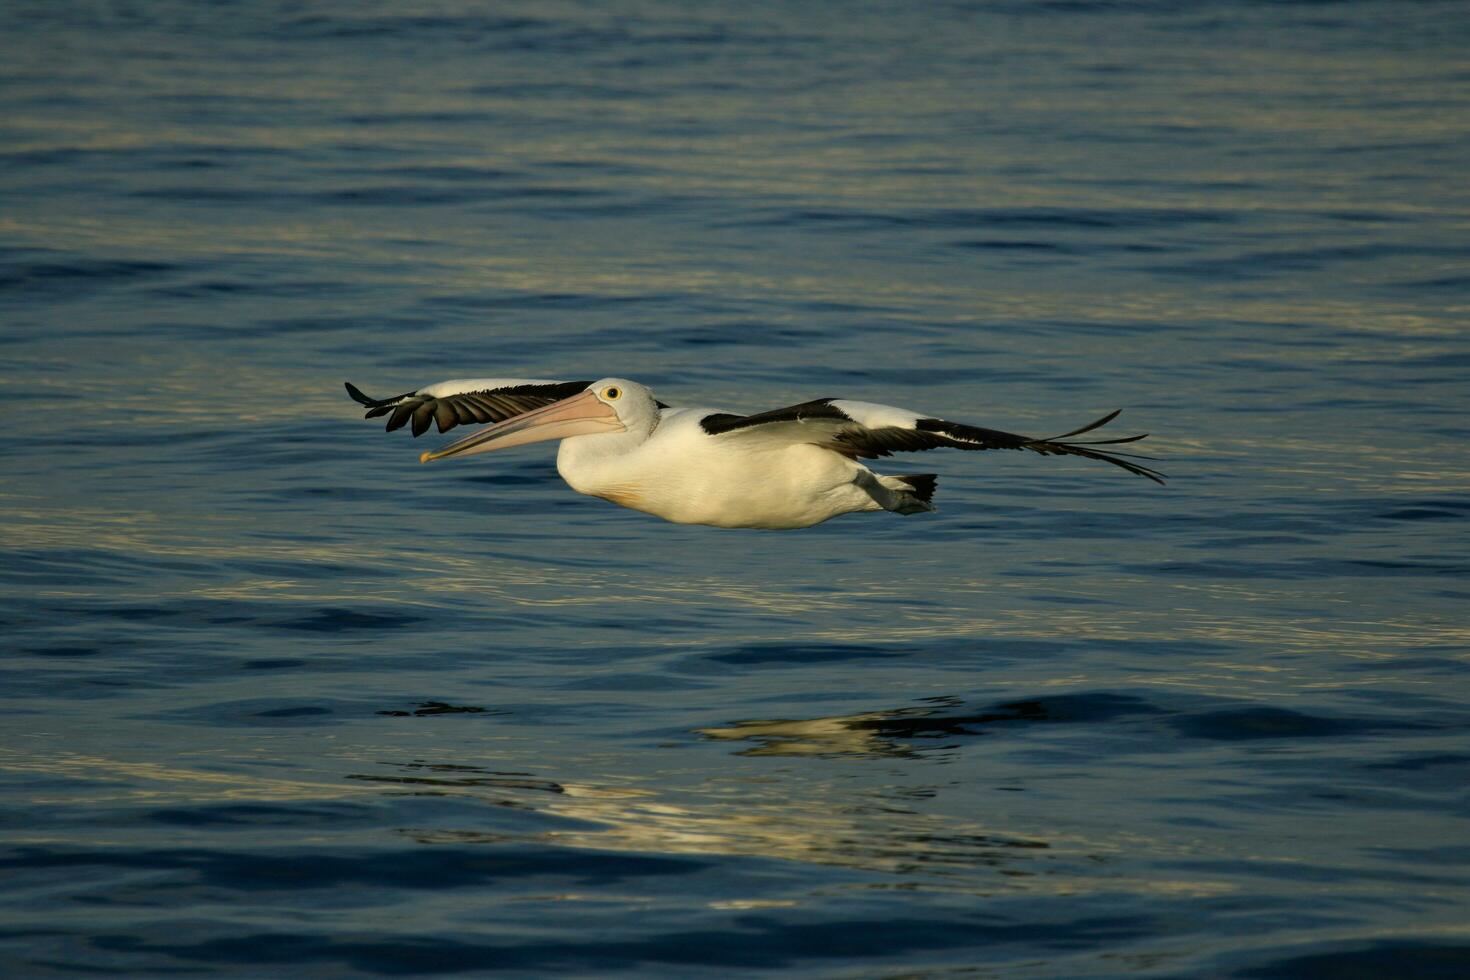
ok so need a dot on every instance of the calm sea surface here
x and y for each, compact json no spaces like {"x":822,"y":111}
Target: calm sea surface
{"x":278,"y":701}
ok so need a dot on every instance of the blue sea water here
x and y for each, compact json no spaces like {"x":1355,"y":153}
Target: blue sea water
{"x":278,"y":701}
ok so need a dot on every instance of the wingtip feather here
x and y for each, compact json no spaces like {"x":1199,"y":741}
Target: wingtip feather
{"x":1089,"y":426}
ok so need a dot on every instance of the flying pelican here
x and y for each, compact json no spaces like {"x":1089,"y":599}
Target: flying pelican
{"x":788,"y":468}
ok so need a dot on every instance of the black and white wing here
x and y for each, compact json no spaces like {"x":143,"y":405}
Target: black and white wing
{"x":863,"y":429}
{"x":465,"y":401}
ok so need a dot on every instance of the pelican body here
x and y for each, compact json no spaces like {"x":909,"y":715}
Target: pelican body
{"x":788,"y":468}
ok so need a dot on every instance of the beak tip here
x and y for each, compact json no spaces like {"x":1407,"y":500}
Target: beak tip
{"x":424,"y":457}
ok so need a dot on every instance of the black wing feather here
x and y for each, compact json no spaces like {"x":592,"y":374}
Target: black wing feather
{"x":855,"y":440}
{"x":462,"y":408}
{"x":937,"y":433}
{"x":820,"y":408}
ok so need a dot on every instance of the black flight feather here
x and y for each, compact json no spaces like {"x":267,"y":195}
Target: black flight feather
{"x":465,"y":407}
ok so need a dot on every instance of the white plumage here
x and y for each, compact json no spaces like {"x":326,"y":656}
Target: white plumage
{"x":788,"y":468}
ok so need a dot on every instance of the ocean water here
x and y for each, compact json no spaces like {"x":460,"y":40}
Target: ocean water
{"x":278,"y":701}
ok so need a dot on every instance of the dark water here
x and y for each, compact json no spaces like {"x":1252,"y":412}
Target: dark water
{"x":279,"y":701}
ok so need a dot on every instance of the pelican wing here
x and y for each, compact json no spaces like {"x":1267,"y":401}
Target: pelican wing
{"x":862,"y":429}
{"x":463,"y":401}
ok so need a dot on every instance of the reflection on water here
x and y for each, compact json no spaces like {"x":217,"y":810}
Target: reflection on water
{"x":848,"y":735}
{"x":882,"y":835}
{"x":113,"y":780}
{"x":871,"y":733}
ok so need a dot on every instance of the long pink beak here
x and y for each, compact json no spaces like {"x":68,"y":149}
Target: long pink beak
{"x":578,"y":415}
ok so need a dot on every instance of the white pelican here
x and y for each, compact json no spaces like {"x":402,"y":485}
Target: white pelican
{"x":788,"y":468}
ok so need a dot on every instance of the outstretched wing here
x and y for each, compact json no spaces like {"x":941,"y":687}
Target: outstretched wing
{"x":460,"y":402}
{"x":862,"y":429}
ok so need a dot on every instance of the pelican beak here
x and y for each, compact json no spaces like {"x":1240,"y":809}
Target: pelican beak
{"x":578,"y":415}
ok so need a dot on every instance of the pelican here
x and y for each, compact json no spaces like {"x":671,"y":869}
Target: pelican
{"x":788,"y":468}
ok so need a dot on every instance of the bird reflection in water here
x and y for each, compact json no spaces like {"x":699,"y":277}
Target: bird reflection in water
{"x":873,"y":834}
{"x":879,"y":830}
{"x":872,"y":733}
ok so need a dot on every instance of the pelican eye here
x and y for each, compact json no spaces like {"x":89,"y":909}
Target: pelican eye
{"x":612,"y":393}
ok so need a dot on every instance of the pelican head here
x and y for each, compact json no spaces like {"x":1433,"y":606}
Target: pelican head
{"x":607,"y":407}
